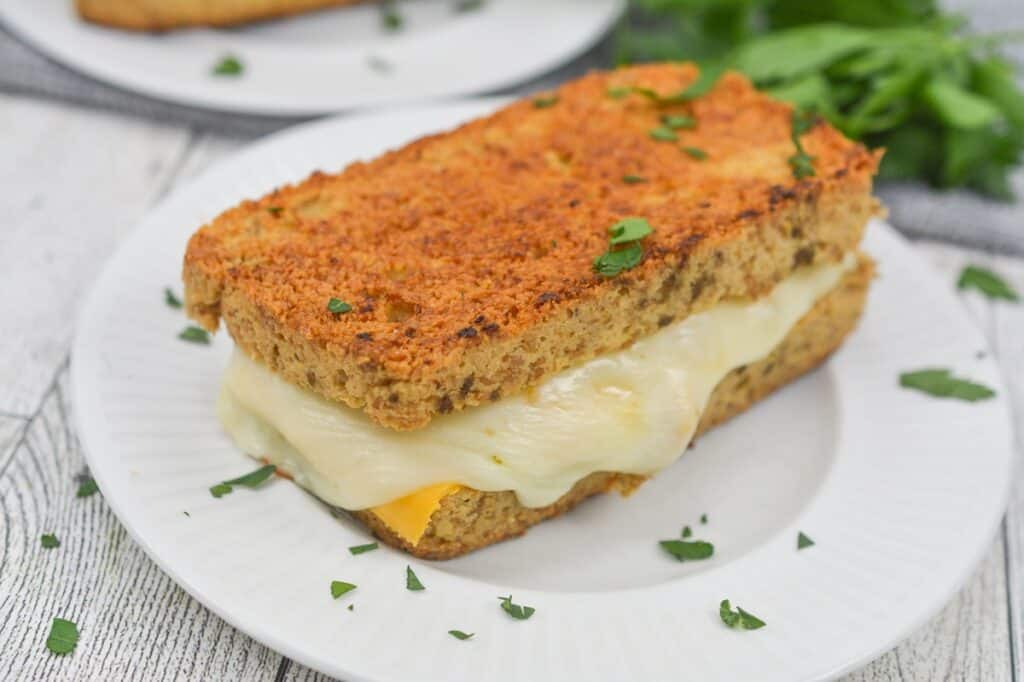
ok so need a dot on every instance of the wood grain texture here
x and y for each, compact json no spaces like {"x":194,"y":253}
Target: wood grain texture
{"x":73,"y":183}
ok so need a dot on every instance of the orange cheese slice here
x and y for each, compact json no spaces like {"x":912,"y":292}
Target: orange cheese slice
{"x":409,"y":516}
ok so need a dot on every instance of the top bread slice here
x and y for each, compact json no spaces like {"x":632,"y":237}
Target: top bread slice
{"x":160,"y":15}
{"x":467,"y":256}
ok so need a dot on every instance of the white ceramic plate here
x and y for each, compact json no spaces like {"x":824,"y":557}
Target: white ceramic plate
{"x":329,"y":60}
{"x":900,"y":491}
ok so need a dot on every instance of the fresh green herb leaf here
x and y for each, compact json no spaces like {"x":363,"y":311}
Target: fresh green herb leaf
{"x":251,"y":480}
{"x":459,"y":634}
{"x":390,"y":19}
{"x":633,"y":179}
{"x":695,"y":153}
{"x":63,"y":637}
{"x":619,"y":92}
{"x":412,"y":583}
{"x":275,"y":211}
{"x":803,"y":542}
{"x":229,"y":65}
{"x":86,"y":487}
{"x":611,"y":263}
{"x":942,"y":384}
{"x":338,"y":306}
{"x":170,"y":299}
{"x":49,"y":541}
{"x":468,"y":5}
{"x":685,"y":550}
{"x":663,"y":134}
{"x":515,"y":610}
{"x":738,"y":619}
{"x":686,"y":532}
{"x":195,"y":335}
{"x":339,"y":588}
{"x":987,"y":282}
{"x":678,"y":121}
{"x":362,"y":549}
{"x":351,"y":607}
{"x":630,"y":229}
{"x":802,"y":165}
{"x":545,"y":101}
{"x":957,"y":107}
{"x":801,"y":162}
{"x":704,"y":518}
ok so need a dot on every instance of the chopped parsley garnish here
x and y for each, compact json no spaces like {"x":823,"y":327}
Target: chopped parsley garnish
{"x":663,"y":134}
{"x":459,"y":634}
{"x":339,"y":588}
{"x":801,"y":162}
{"x":618,"y":92}
{"x":612,"y":263}
{"x":703,"y":518}
{"x":686,"y":550}
{"x":170,"y":299}
{"x":351,"y":607}
{"x":545,"y":101}
{"x":987,"y":282}
{"x":412,"y":583}
{"x":678,"y":121}
{"x":49,"y":541}
{"x":686,"y":532}
{"x":86,"y":487}
{"x":705,"y":81}
{"x":275,"y":210}
{"x":629,"y":230}
{"x":362,"y":549}
{"x":468,"y":5}
{"x":338,"y":306}
{"x":250,"y":480}
{"x":942,"y":384}
{"x":195,"y":335}
{"x":695,"y":152}
{"x":633,"y":179}
{"x":63,"y":637}
{"x":229,"y":65}
{"x":390,"y":19}
{"x":515,"y":610}
{"x":738,"y":619}
{"x":803,"y":542}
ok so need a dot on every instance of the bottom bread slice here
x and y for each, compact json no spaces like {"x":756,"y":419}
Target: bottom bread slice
{"x":469,"y":519}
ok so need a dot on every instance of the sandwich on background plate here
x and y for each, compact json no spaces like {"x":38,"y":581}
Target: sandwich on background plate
{"x":160,"y":15}
{"x":475,"y":332}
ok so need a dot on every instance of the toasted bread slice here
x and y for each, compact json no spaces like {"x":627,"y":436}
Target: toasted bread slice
{"x":161,"y":15}
{"x":467,"y":256}
{"x":468,"y":519}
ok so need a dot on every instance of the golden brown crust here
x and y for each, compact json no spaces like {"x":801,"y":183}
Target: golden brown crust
{"x":468,"y":255}
{"x":469,"y":519}
{"x":160,"y":15}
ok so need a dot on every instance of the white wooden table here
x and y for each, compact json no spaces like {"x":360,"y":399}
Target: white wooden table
{"x":72,"y":184}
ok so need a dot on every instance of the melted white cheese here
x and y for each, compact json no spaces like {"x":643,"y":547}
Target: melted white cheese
{"x":632,"y":411}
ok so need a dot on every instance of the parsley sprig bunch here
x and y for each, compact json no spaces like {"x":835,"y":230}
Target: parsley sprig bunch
{"x":894,"y":73}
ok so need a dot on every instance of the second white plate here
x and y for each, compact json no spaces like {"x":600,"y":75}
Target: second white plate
{"x":330,"y":60}
{"x":900,"y":491}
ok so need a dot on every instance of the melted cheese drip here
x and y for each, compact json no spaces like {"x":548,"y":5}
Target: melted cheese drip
{"x":631,"y":411}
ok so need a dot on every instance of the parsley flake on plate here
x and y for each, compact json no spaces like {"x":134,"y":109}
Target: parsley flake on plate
{"x":49,"y":541}
{"x":229,"y":65}
{"x":194,"y":334}
{"x":703,"y":518}
{"x":467,"y":5}
{"x":459,"y":634}
{"x":63,"y":636}
{"x":942,"y":384}
{"x":338,"y":306}
{"x":987,"y":282}
{"x":803,"y":542}
{"x":629,"y":230}
{"x":686,"y":532}
{"x":663,"y":134}
{"x":612,"y":263}
{"x":738,"y":619}
{"x":515,"y":610}
{"x":86,"y":487}
{"x":362,"y":549}
{"x":170,"y":299}
{"x":339,"y":588}
{"x":390,"y":19}
{"x":412,"y":583}
{"x":251,"y":480}
{"x":687,"y":550}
